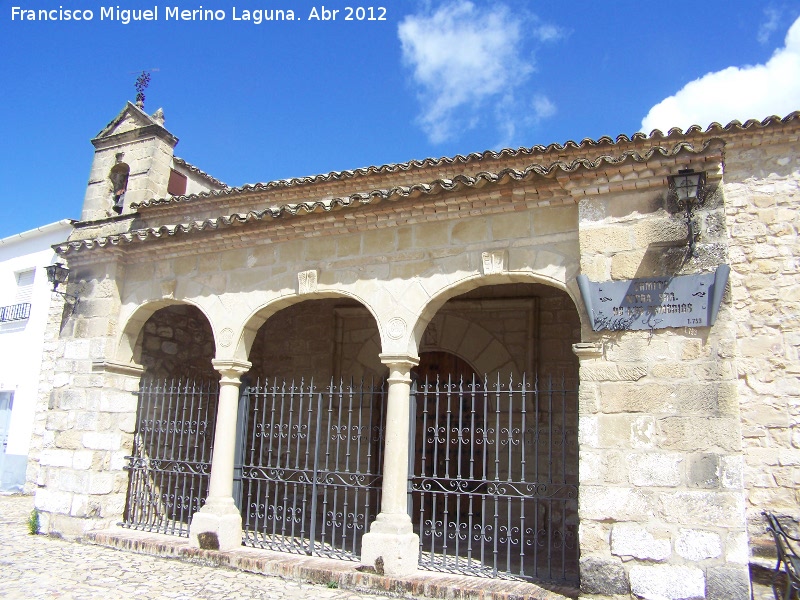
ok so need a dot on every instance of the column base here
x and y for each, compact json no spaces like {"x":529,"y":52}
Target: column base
{"x":216,"y":526}
{"x":392,"y":540}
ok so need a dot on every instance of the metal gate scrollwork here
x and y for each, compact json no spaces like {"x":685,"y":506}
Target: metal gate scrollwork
{"x":311,"y":466}
{"x":494,"y":484}
{"x":171,"y":460}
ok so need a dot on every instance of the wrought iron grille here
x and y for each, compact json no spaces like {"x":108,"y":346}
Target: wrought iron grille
{"x":15,"y":312}
{"x":494,"y":485}
{"x":171,"y":461}
{"x":312,"y":467}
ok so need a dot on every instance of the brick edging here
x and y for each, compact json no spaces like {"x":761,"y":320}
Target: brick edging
{"x":321,"y":570}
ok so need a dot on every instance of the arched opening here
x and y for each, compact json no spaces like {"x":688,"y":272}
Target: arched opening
{"x":495,"y":476}
{"x":118,"y":176}
{"x":176,"y":342}
{"x":176,"y":414}
{"x":308,"y":472}
{"x":327,"y":338}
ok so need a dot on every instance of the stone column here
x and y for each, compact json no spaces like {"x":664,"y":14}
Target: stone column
{"x":218,"y":525}
{"x":391,"y":536}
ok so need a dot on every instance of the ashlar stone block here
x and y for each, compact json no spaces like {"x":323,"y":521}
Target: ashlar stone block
{"x":622,"y":504}
{"x":54,"y":457}
{"x":53,"y":501}
{"x":603,"y":576}
{"x":630,"y":539}
{"x":704,"y":471}
{"x":696,"y":545}
{"x":727,"y":583}
{"x":102,"y":441}
{"x":633,"y":431}
{"x":595,"y":537}
{"x":704,"y":508}
{"x":651,"y":469}
{"x":666,"y":582}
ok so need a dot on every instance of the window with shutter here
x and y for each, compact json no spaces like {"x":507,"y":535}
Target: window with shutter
{"x":24,"y":286}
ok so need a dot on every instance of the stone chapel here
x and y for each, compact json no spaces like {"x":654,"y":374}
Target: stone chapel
{"x":577,"y":363}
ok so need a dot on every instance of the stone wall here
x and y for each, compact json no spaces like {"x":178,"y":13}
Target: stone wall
{"x":538,"y":336}
{"x":39,"y":435}
{"x":80,"y":441}
{"x":762,"y":192}
{"x":662,"y":498}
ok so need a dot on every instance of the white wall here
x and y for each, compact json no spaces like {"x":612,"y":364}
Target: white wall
{"x":21,"y":341}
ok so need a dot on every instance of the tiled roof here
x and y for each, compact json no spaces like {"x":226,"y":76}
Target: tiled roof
{"x":586,"y":143}
{"x":394,"y":193}
{"x":212,"y":180}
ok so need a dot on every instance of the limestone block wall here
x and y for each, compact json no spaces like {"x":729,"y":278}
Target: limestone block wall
{"x":397,"y":259}
{"x":661,"y":491}
{"x":85,"y":429}
{"x":762,"y":191}
{"x":50,"y":346}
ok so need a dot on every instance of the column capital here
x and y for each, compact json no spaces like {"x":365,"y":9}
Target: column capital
{"x":231,"y":369}
{"x":400,"y":366}
{"x":399,"y":361}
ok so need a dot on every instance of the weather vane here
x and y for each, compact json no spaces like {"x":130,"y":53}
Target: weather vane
{"x":142,"y":81}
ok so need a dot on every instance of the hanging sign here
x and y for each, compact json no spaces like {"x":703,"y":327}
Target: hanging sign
{"x":655,"y":302}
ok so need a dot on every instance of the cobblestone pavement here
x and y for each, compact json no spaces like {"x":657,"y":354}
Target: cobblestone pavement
{"x":44,"y":567}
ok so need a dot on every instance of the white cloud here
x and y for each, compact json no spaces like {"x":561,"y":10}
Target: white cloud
{"x":543,"y":107}
{"x":462,"y":56}
{"x":768,"y":27}
{"x":750,"y":92}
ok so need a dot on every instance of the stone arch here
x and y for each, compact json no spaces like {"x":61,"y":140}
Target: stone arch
{"x":462,"y":286}
{"x":534,"y":319}
{"x":457,"y":346}
{"x":129,"y":346}
{"x":260,"y":315}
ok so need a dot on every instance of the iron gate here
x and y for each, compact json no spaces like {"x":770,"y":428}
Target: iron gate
{"x":311,"y":466}
{"x":494,"y":480}
{"x":171,"y":460}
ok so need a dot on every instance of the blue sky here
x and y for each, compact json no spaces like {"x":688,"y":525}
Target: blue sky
{"x":257,"y":102}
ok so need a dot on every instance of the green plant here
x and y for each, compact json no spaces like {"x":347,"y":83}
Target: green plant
{"x":33,"y":522}
{"x":333,"y":585}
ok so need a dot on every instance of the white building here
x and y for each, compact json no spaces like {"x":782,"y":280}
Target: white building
{"x":24,"y":303}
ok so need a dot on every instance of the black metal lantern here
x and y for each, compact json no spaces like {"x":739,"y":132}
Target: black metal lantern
{"x":688,"y":187}
{"x":57,"y":273}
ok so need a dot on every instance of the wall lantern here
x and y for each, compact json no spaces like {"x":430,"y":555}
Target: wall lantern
{"x":57,"y":274}
{"x":688,"y":187}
